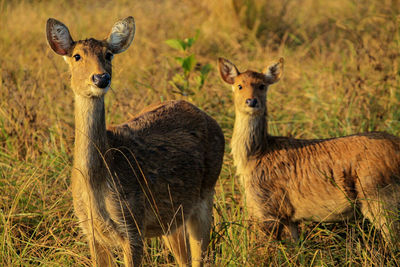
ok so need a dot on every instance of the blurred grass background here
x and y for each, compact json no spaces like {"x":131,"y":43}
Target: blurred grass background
{"x":341,"y":77}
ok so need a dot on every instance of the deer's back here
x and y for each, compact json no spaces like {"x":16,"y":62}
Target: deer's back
{"x":167,"y":153}
{"x":318,"y":179}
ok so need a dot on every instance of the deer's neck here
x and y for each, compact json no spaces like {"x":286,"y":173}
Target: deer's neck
{"x":249,"y":139}
{"x":90,"y":140}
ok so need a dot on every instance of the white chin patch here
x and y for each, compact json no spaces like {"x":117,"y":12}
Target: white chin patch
{"x":96,"y":91}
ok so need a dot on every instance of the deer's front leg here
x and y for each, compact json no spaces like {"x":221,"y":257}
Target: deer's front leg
{"x":133,"y":252}
{"x":101,"y":255}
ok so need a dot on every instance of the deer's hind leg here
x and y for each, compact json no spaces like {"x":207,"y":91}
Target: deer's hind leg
{"x":199,"y":226}
{"x":178,"y":244}
{"x":381,"y":208}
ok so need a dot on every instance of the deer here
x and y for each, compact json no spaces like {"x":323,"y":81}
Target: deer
{"x":287,"y":180}
{"x":153,"y":175}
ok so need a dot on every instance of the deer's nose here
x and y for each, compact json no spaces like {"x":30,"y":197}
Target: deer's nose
{"x":251,"y":102}
{"x":101,"y":80}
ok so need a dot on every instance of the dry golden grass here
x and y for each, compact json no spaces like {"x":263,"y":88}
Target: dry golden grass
{"x":341,"y":77}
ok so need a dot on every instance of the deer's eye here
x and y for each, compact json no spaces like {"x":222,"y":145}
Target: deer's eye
{"x":240,"y":87}
{"x":109,"y":56}
{"x":77,"y":57}
{"x":261,"y":86}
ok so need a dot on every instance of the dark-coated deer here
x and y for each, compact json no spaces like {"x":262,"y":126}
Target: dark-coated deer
{"x":288,"y":180}
{"x":153,"y":175}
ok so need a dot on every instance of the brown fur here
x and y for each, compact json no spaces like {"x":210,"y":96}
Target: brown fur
{"x":288,"y":180}
{"x":153,"y":175}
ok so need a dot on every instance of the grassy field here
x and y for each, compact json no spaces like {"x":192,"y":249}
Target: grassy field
{"x":341,"y":77}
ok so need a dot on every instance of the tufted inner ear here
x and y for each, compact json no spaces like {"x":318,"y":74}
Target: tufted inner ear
{"x":274,"y":72}
{"x":227,"y":70}
{"x":58,"y":37}
{"x":121,"y":35}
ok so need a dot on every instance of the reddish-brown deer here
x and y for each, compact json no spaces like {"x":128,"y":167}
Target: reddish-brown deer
{"x":153,"y":175}
{"x":288,"y":180}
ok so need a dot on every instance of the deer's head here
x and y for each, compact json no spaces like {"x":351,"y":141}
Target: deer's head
{"x":250,"y":87}
{"x":90,"y":60}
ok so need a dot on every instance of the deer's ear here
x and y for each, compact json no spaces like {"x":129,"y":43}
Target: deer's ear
{"x":121,"y":35}
{"x":59,"y":37}
{"x":227,"y":70}
{"x":274,"y":72}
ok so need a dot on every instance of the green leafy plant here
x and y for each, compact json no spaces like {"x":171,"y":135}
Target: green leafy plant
{"x":192,"y":75}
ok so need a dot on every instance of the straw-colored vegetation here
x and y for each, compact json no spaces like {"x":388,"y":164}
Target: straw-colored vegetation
{"x":341,"y":77}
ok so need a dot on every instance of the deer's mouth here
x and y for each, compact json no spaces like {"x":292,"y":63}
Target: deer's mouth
{"x":253,"y":110}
